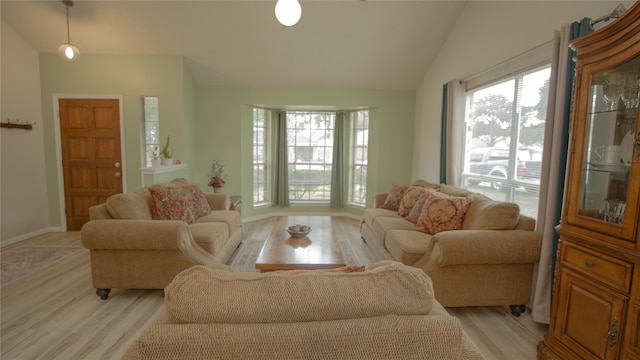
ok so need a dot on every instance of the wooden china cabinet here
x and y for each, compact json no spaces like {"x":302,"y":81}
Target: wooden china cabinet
{"x":596,"y":304}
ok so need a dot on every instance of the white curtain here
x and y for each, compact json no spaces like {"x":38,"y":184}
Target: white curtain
{"x":454,"y":127}
{"x":551,"y":190}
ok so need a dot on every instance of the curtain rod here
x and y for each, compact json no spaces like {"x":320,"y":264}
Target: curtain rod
{"x":507,"y":61}
{"x":619,"y":10}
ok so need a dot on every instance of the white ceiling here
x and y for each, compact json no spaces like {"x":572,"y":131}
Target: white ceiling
{"x":337,"y":44}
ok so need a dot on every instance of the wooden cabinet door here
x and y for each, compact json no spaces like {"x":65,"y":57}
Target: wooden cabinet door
{"x":589,"y":317}
{"x":91,"y":156}
{"x":632,"y":338}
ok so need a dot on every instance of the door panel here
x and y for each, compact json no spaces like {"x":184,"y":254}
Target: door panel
{"x":91,"y":158}
{"x":587,"y":315}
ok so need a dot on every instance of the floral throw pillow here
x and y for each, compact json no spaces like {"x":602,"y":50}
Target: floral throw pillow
{"x":414,"y":214}
{"x":176,"y":203}
{"x":392,"y":202}
{"x":442,"y":212}
{"x":201,"y":204}
{"x":409,"y":199}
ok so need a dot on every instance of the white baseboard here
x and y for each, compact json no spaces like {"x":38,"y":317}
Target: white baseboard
{"x":30,"y":235}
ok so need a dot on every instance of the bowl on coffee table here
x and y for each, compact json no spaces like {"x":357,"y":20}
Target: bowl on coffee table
{"x":298,"y":230}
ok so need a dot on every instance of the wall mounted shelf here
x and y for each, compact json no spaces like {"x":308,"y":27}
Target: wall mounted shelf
{"x":11,"y":125}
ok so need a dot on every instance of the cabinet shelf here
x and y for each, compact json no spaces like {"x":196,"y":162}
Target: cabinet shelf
{"x":608,"y":168}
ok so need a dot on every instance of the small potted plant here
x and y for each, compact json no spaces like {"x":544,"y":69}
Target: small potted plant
{"x":155,"y":160}
{"x":167,"y":157}
{"x":216,"y":177}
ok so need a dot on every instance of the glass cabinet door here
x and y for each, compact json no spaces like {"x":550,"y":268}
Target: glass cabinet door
{"x":609,"y":148}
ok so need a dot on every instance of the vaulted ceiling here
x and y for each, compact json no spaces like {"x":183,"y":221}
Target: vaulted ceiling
{"x":337,"y":44}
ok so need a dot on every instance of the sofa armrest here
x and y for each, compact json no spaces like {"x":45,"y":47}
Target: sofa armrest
{"x":219,"y":201}
{"x":458,"y":247}
{"x":379,"y":199}
{"x":143,"y":235}
{"x":99,"y":212}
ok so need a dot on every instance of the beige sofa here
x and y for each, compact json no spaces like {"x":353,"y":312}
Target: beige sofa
{"x":488,"y":262}
{"x":385,"y":312}
{"x":131,"y":247}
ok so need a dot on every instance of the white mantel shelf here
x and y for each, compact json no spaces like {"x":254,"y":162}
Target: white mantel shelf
{"x":162,"y":169}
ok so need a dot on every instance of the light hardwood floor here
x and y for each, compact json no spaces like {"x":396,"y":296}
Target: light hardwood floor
{"x":53,"y":313}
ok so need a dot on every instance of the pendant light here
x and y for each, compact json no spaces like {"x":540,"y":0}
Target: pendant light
{"x":288,"y":12}
{"x":68,"y":51}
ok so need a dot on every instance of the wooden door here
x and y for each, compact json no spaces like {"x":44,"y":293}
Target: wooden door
{"x":91,"y":156}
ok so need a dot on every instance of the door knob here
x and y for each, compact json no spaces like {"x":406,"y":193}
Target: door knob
{"x":117,"y":174}
{"x":117,"y":164}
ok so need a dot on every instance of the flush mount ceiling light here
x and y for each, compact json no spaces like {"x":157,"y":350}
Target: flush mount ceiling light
{"x":68,"y":51}
{"x":288,"y":12}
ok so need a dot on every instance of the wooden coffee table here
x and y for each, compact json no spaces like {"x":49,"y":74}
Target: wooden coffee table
{"x":319,"y":250}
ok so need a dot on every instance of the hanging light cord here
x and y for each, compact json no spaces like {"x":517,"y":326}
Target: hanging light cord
{"x":68,"y":36}
{"x":67,"y":4}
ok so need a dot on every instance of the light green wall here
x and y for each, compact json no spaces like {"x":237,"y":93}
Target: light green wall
{"x":206,"y":123}
{"x":129,"y":77}
{"x":225,"y":132}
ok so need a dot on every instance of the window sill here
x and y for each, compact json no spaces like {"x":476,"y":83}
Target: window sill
{"x":162,"y":169}
{"x":356,"y":205}
{"x":262,"y":205}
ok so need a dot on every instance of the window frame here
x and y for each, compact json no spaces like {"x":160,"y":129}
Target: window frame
{"x":358,"y":197}
{"x":150,"y":122}
{"x":518,"y":170}
{"x":322,"y":150}
{"x":265,"y":199}
{"x":349,"y":145}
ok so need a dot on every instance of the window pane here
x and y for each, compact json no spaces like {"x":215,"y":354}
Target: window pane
{"x":360,"y":141}
{"x":310,"y":152}
{"x":151,"y":129}
{"x":260,"y":169}
{"x":495,"y":165}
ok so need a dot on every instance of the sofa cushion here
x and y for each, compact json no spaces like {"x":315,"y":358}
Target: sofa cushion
{"x":131,"y":206}
{"x":394,"y":197}
{"x":442,"y":212}
{"x":487,"y":214}
{"x":203,"y":295}
{"x":407,"y":246}
{"x":176,"y":203}
{"x":382,"y":224}
{"x":231,"y":218}
{"x":426,"y":184}
{"x":372,"y":213}
{"x":454,"y":191}
{"x":409,"y":199}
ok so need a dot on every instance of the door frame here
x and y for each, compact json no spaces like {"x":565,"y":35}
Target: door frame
{"x":58,"y":140}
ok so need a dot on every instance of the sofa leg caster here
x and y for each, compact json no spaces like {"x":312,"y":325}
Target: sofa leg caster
{"x":516,"y":310}
{"x":103,"y":293}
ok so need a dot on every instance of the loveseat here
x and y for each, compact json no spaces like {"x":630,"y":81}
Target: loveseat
{"x":385,"y":312}
{"x":141,"y":240}
{"x":487,"y":259}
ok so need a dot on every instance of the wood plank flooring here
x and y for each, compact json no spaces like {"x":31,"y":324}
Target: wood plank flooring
{"x":53,"y":313}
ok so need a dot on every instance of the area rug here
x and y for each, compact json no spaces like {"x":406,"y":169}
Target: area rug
{"x":24,"y":260}
{"x":247,"y":253}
